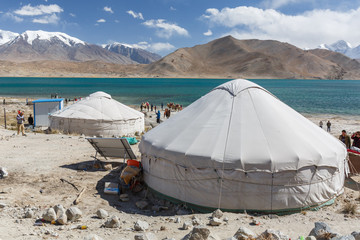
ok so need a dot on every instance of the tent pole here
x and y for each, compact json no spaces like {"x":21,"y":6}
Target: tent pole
{"x":5,"y":118}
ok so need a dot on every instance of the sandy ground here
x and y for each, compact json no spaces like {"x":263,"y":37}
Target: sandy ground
{"x":37,"y":162}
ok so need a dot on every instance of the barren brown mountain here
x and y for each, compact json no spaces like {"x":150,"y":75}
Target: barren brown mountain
{"x":226,"y":57}
{"x":232,"y":58}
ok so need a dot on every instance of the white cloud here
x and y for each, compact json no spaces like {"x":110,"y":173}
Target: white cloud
{"x":13,"y":17}
{"x":101,"y":20}
{"x":28,"y":10}
{"x":308,"y":29}
{"x":279,"y":3}
{"x":72,"y":14}
{"x":108,"y":9}
{"x":135,"y":15}
{"x":47,"y":19}
{"x":208,"y":33}
{"x":164,"y":29}
{"x":172,"y":8}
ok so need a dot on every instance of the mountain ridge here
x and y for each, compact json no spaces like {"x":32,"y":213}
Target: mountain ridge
{"x":41,"y":45}
{"x":225,"y":57}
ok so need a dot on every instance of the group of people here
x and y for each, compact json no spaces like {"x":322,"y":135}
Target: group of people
{"x":149,"y":107}
{"x":328,"y":125}
{"x":346,"y":139}
{"x":20,"y":121}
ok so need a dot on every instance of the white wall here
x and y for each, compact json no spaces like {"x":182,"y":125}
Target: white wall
{"x":42,"y":111}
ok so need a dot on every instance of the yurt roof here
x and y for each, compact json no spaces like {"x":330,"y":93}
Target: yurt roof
{"x":240,"y":125}
{"x":98,"y":106}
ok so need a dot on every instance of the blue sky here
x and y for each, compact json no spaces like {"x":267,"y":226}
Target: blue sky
{"x":162,"y":26}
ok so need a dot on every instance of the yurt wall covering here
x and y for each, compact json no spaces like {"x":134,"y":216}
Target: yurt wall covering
{"x":98,"y":115}
{"x":241,"y":148}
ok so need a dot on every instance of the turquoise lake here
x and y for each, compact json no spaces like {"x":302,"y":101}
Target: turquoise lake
{"x":339,"y":97}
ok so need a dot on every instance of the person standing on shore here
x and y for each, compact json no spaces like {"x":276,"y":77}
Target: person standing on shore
{"x":162,"y":106}
{"x":31,"y":121}
{"x":328,"y":124}
{"x":20,"y":123}
{"x":321,"y":124}
{"x":345,"y":139}
{"x":158,"y":116}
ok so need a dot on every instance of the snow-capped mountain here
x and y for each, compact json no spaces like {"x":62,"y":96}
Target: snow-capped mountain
{"x":136,"y":54}
{"x":31,"y":36}
{"x":7,"y":36}
{"x":343,"y":47}
{"x":41,"y":45}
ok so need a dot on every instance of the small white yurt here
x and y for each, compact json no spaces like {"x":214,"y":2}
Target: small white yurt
{"x":240,"y":148}
{"x":98,"y":115}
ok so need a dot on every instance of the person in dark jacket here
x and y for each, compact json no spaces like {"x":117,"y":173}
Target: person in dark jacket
{"x":31,"y":120}
{"x":328,"y":124}
{"x":345,"y":139}
{"x":356,"y":138}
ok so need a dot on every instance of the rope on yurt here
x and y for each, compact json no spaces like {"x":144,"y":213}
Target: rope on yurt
{"x":226,"y":143}
{"x":271,"y":197}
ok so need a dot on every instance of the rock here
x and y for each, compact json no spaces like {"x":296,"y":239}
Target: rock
{"x":198,"y":233}
{"x":162,"y":228}
{"x":356,"y":235}
{"x":346,"y":237}
{"x":178,"y":220}
{"x":310,"y":238}
{"x":226,"y":219}
{"x":73,"y":214}
{"x":145,"y":236}
{"x":112,"y":222}
{"x":3,"y":205}
{"x":124,"y":197}
{"x":322,"y":231}
{"x":215,"y":221}
{"x":59,"y":209}
{"x":217,"y":214}
{"x":196,"y":221}
{"x":141,"y":204}
{"x":102,"y":214}
{"x":244,"y":233}
{"x":92,"y":237}
{"x":49,"y":215}
{"x":141,"y":225}
{"x":187,"y":225}
{"x":29,"y":213}
{"x":3,"y":172}
{"x":62,"y":218}
{"x":270,"y":234}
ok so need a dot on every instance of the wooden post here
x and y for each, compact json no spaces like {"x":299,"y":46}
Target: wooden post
{"x":5,"y":118}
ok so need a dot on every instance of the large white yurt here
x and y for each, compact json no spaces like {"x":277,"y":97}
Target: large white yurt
{"x":241,"y":148}
{"x":98,"y":115}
